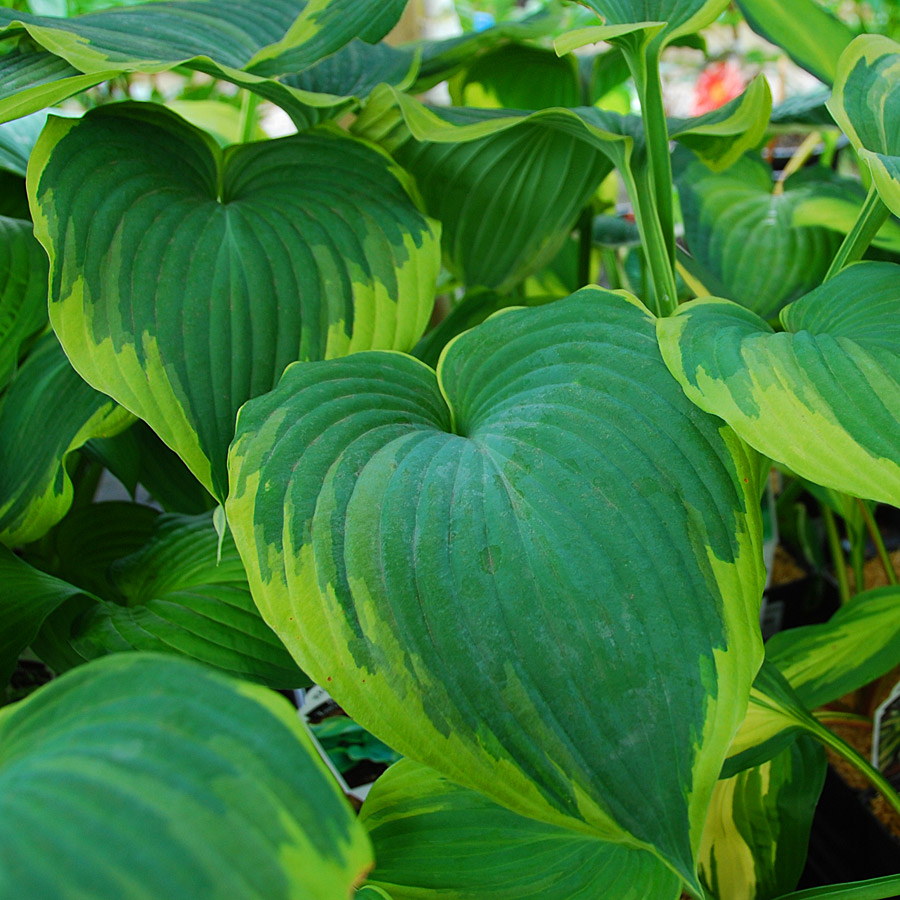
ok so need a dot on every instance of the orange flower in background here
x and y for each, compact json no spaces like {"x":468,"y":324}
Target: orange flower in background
{"x":717,"y":84}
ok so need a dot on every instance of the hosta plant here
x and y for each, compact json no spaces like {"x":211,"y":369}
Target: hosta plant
{"x":519,"y":540}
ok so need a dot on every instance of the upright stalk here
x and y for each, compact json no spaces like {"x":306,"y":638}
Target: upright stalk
{"x":249,"y":102}
{"x":837,"y":555}
{"x":585,"y":245}
{"x":875,"y":534}
{"x":870,"y":219}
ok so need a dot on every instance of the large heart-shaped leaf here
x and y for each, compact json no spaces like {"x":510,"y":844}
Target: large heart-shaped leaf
{"x":247,"y":42}
{"x":46,"y":414}
{"x":733,"y":221}
{"x":435,"y":839}
{"x":183,"y":280}
{"x":23,"y":291}
{"x":866,"y":103}
{"x":465,"y":559}
{"x":758,"y":826}
{"x":230,"y":796}
{"x":467,"y":162}
{"x":822,"y":398}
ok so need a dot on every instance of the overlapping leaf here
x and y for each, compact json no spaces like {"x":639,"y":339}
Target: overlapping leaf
{"x":861,"y":642}
{"x":23,"y":292}
{"x":434,"y":839}
{"x":455,"y":556}
{"x":248,"y":42}
{"x":174,"y":594}
{"x":468,"y":164}
{"x":758,"y":826}
{"x":230,"y":795}
{"x":183,"y":280}
{"x":47,"y":412}
{"x":744,"y":235}
{"x":822,"y":398}
{"x":866,"y":103}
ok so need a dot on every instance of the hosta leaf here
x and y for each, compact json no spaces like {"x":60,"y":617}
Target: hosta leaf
{"x":860,"y":643}
{"x":46,"y":413}
{"x":746,"y":236}
{"x":179,"y":597}
{"x":865,"y":103}
{"x":757,"y":831}
{"x":435,"y":839}
{"x":357,"y":69}
{"x":822,"y":398}
{"x":454,"y":555}
{"x":173,"y":594}
{"x":664,"y":20}
{"x":183,"y":280}
{"x":28,"y":598}
{"x":230,"y":795}
{"x":246,"y":42}
{"x":468,"y":163}
{"x":812,"y":37}
{"x":23,"y":291}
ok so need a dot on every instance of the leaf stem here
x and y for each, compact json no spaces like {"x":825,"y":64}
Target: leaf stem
{"x":249,"y":103}
{"x":837,"y":555}
{"x":875,"y":533}
{"x":859,"y":762}
{"x":870,"y":219}
{"x":611,"y":268}
{"x":797,"y":161}
{"x":585,"y":245}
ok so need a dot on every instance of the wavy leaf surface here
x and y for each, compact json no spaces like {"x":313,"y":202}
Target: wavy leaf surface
{"x":247,"y":42}
{"x":746,"y":237}
{"x":230,"y":794}
{"x":823,"y":397}
{"x":184,"y":280}
{"x":435,"y":839}
{"x":469,"y":164}
{"x":454,"y":555}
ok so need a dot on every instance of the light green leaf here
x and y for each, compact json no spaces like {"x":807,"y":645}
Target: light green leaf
{"x":460,"y":548}
{"x":434,"y":839}
{"x":865,"y":103}
{"x":746,"y":237}
{"x":230,"y":795}
{"x":757,"y":831}
{"x":183,"y":280}
{"x":812,"y":37}
{"x":822,"y":398}
{"x":861,"y":642}
{"x":46,"y":413}
{"x":23,"y":292}
{"x":518,"y":76}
